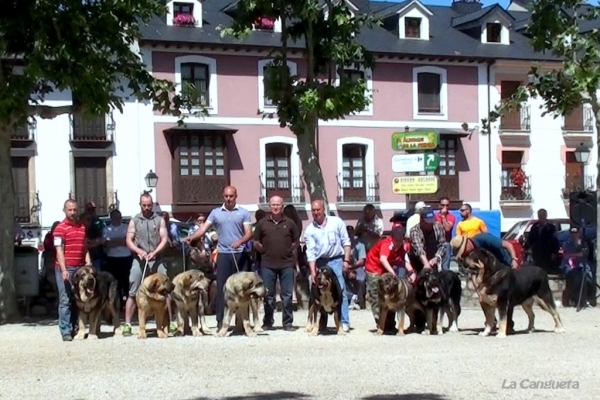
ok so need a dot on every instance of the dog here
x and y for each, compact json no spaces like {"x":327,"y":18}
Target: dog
{"x":501,"y":287}
{"x":190,"y":292}
{"x":242,"y":291}
{"x":397,"y":295}
{"x":96,"y":293}
{"x":325,"y":298}
{"x":439,"y":293}
{"x":151,"y":299}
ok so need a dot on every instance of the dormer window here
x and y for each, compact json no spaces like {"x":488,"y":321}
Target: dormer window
{"x":264,"y":24}
{"x":494,"y":32}
{"x":412,"y":27}
{"x":184,"y":13}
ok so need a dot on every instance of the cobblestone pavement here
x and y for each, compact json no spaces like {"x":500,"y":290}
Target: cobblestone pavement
{"x":36,"y":364}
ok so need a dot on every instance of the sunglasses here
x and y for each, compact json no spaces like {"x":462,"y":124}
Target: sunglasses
{"x":463,"y":210}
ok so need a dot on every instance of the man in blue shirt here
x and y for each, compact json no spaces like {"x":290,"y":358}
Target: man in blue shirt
{"x":234,"y":228}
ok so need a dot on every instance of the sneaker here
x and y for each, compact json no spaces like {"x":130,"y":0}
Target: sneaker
{"x":345,"y":328}
{"x":67,"y":338}
{"x":288,"y":328}
{"x":126,"y":330}
{"x":172,"y":327}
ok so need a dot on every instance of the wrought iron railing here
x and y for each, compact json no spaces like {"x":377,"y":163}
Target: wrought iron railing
{"x":92,"y":128}
{"x":580,"y":119}
{"x":512,"y":191}
{"x":355,"y":190}
{"x":516,"y":120}
{"x":28,"y":208}
{"x":579,"y":185}
{"x":25,"y":133}
{"x":291,"y":189}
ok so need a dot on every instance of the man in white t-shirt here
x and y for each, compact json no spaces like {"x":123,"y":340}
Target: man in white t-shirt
{"x":415,"y":218}
{"x":118,"y":255}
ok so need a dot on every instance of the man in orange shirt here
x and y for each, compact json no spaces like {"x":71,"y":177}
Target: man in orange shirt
{"x":470,"y":225}
{"x":382,"y":258}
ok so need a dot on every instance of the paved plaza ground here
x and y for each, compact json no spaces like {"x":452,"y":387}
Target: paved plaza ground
{"x":36,"y":364}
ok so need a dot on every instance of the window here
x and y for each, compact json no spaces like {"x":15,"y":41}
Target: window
{"x":90,"y":182}
{"x":264,"y":24}
{"x":353,"y":172}
{"x":494,"y":32}
{"x":201,"y":72}
{"x":201,"y":156}
{"x":412,"y":27}
{"x":430,"y":93}
{"x":278,"y":179}
{"x":184,"y":13}
{"x":183,"y":8}
{"x":20,"y":173}
{"x":264,"y":103}
{"x":511,"y":161}
{"x":447,"y":170}
{"x":430,"y":87}
{"x":353,"y":75}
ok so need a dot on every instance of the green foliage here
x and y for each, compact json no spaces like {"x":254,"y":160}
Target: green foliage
{"x":87,"y":46}
{"x":330,"y":45}
{"x":563,"y":28}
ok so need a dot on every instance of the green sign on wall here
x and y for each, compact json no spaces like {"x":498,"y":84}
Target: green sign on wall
{"x":432,"y":162}
{"x":416,"y":140}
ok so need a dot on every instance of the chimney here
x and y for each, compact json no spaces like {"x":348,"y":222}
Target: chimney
{"x":466,"y":6}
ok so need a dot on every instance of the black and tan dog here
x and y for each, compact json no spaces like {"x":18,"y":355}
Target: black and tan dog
{"x":190,"y":293}
{"x":396,"y":295}
{"x":242,"y":292}
{"x":151,"y":299}
{"x":439,"y":293}
{"x":96,"y":295}
{"x":501,"y":287}
{"x":325,"y":298}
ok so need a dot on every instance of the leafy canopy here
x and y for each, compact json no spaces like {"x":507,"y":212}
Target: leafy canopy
{"x":327,"y":36}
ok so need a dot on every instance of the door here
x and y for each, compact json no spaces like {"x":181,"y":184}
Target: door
{"x":20,"y":173}
{"x":90,"y":183}
{"x":511,"y":119}
{"x":573,"y":173}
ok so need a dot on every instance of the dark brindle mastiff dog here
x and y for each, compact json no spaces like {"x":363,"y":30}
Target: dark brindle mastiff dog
{"x":325,"y":298}
{"x":151,"y":299}
{"x":439,"y":293}
{"x":96,"y":293}
{"x":502,"y":287}
{"x":190,"y":294}
{"x":242,"y":292}
{"x":397,"y":295}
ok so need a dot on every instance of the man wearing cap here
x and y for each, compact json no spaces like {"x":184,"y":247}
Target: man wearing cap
{"x":428,"y":241}
{"x":415,"y":218}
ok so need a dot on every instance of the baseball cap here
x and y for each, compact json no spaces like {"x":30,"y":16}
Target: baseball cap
{"x":420,"y":205}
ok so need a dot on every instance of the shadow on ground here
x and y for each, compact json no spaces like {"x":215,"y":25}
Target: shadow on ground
{"x":283,"y":395}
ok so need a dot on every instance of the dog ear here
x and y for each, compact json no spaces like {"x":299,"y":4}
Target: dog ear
{"x":153,"y":286}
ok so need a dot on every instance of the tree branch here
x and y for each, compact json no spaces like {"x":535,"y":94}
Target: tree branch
{"x":49,"y":112}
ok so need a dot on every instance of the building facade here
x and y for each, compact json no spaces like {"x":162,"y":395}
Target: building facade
{"x":427,"y":77}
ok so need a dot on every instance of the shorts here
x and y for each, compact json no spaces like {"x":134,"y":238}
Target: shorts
{"x":135,"y":275}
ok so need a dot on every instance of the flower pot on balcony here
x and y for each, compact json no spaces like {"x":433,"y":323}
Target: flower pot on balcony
{"x":185,"y":20}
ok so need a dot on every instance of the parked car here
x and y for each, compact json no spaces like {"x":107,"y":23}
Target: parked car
{"x":518,"y":233}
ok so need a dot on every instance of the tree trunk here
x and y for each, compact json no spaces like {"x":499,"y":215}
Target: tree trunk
{"x":8,"y":300}
{"x":596,"y":109}
{"x":311,"y":168}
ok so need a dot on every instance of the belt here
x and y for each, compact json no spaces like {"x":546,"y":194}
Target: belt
{"x":331,"y":258}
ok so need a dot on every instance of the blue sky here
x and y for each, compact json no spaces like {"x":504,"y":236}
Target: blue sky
{"x":503,"y":3}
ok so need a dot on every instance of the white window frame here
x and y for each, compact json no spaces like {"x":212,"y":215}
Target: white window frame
{"x":414,"y":10}
{"x":294,"y":160}
{"x":443,"y":73}
{"x":196,"y":12}
{"x":293,"y":67}
{"x":369,"y":162}
{"x":504,"y":31}
{"x":368,"y":72}
{"x":213,"y":107}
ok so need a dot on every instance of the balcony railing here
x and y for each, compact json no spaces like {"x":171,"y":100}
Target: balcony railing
{"x":516,"y":120}
{"x":512,"y":192}
{"x":24,"y":135}
{"x":578,"y":185}
{"x":104,"y":204}
{"x":353,"y":190}
{"x":92,"y":130}
{"x":292,"y":189}
{"x":580,"y":119}
{"x":27,"y":208}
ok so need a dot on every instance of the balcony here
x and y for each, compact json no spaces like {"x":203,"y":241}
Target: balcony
{"x":354,"y":194}
{"x":515,"y":126}
{"x":92,"y":131}
{"x":578,"y":126}
{"x":292,"y":191}
{"x":578,"y":185}
{"x":515,"y":195}
{"x":23,"y":136}
{"x":104,"y":204}
{"x":28,"y":207}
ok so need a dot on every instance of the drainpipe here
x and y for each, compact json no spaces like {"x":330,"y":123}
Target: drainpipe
{"x":489,"y":109}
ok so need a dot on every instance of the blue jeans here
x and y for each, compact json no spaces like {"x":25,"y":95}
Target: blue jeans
{"x":67,"y":309}
{"x":337,"y":265}
{"x":447,"y":257}
{"x":401,"y":272}
{"x":286,"y":280}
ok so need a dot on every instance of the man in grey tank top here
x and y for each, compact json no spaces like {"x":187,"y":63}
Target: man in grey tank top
{"x":146,"y":238}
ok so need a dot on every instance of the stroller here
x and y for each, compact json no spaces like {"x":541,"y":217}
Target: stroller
{"x":580,"y":290}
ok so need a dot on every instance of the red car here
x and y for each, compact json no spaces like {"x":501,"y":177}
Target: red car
{"x":517,"y":235}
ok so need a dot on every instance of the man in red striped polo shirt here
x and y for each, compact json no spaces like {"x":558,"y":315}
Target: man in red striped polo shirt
{"x":71,"y":254}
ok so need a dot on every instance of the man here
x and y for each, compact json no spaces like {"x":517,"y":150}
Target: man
{"x":543,"y":243}
{"x":383,"y":256}
{"x":369,"y":228}
{"x":470,"y":225}
{"x":414,"y":219}
{"x":118,"y":255}
{"x":356,"y":275}
{"x":428,"y":242}
{"x":71,"y":254}
{"x":234,"y":229}
{"x":172,"y":231}
{"x":147,"y":237}
{"x":447,"y":220}
{"x":276,"y":239}
{"x":95,"y":242}
{"x":328,"y":244}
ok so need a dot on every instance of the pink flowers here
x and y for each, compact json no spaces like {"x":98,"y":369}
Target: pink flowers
{"x":264,"y":23}
{"x":184,"y":20}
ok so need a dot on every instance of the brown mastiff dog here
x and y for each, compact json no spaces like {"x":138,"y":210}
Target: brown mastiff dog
{"x":190,"y":294}
{"x":151,"y":299}
{"x":396,"y":295}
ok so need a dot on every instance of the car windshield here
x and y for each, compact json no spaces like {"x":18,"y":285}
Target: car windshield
{"x":514,"y":231}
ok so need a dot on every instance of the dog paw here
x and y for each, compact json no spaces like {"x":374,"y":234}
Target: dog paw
{"x":559,"y":330}
{"x":222,"y":333}
{"x":142,"y":335}
{"x":178,"y":333}
{"x":379,"y":332}
{"x":258,"y":329}
{"x":485,"y":332}
{"x":162,"y":335}
{"x":80,"y":336}
{"x":341,"y":332}
{"x":501,"y":335}
{"x":314,"y":332}
{"x":251,"y":333}
{"x":118,"y":332}
{"x":91,"y":336}
{"x":426,"y":332}
{"x":308,"y":328}
{"x":400,"y":333}
{"x":453,"y":329}
{"x":196,"y":332}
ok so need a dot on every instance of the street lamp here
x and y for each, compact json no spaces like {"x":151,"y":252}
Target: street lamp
{"x":582,"y":154}
{"x":151,"y":180}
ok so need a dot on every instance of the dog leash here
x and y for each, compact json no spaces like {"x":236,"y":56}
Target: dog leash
{"x":145,"y":267}
{"x":183,"y":254}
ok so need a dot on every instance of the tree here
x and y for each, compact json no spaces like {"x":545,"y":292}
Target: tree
{"x":86,"y":46}
{"x":569,"y":29}
{"x":327,"y":38}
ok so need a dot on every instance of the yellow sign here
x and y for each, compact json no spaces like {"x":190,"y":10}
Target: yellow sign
{"x":422,"y":184}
